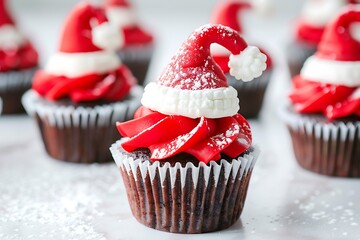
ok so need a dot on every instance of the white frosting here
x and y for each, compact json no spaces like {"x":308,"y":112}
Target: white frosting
{"x":355,"y":30}
{"x":10,"y":37}
{"x":121,"y":16}
{"x":79,"y":64}
{"x":107,"y":36}
{"x":332,"y":72}
{"x":210,"y":103}
{"x":319,"y":12}
{"x":247,"y":65}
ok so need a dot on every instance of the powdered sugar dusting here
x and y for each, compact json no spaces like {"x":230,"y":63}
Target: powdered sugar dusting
{"x":55,"y":200}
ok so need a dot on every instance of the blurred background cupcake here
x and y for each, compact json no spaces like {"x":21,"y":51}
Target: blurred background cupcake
{"x":324,"y":120}
{"x":18,"y":62}
{"x":309,"y":29}
{"x":83,"y":89}
{"x":250,"y":93}
{"x":137,"y":50}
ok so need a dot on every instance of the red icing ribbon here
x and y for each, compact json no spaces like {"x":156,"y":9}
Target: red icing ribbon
{"x":335,"y":101}
{"x":168,"y":135}
{"x":134,"y":35}
{"x":308,"y":34}
{"x":110,"y":87}
{"x":18,"y":58}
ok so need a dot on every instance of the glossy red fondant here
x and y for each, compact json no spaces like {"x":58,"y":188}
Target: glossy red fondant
{"x":203,"y":138}
{"x":335,"y":101}
{"x":18,"y":58}
{"x":76,"y":36}
{"x":135,"y":35}
{"x":338,"y":42}
{"x":227,"y":13}
{"x":307,"y":33}
{"x":5,"y":17}
{"x":110,"y":87}
{"x":193,"y":68}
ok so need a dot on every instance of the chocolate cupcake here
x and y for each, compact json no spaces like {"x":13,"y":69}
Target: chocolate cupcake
{"x":187,"y":156}
{"x":83,"y":90}
{"x":138,"y":47}
{"x":18,"y":62}
{"x":251,"y":94}
{"x":324,"y":121}
{"x":309,"y":29}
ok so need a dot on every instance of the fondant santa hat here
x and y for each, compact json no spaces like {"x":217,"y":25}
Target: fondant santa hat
{"x":315,"y":15}
{"x":227,"y":14}
{"x":87,"y":44}
{"x":193,"y":85}
{"x":122,"y":14}
{"x":5,"y":18}
{"x":10,"y":37}
{"x":337,"y":60}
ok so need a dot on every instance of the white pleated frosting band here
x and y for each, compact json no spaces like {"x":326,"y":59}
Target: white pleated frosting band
{"x":209,"y":103}
{"x":79,"y":64}
{"x":345,"y":73}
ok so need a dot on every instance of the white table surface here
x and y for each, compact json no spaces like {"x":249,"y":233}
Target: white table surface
{"x":41,"y":198}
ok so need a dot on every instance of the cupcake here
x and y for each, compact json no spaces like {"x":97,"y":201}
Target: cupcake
{"x":18,"y":62}
{"x":250,"y":93}
{"x":324,"y":119}
{"x":83,"y":90}
{"x":187,"y":156}
{"x":138,"y":46}
{"x":309,"y":29}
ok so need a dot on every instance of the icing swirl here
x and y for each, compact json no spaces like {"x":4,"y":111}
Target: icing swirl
{"x":202,"y":137}
{"x":334,"y":101}
{"x":17,"y":58}
{"x":112,"y":86}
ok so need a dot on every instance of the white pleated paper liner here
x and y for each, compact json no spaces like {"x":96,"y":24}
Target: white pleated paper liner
{"x":13,"y":84}
{"x":296,"y":54}
{"x":251,"y":94}
{"x":185,"y":199}
{"x":80,"y":133}
{"x":137,"y":58}
{"x":327,"y":147}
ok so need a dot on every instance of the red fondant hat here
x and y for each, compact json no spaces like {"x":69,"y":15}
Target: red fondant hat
{"x":193,"y":61}
{"x":85,"y":30}
{"x":227,"y":14}
{"x":118,"y":3}
{"x":341,"y":37}
{"x":193,"y":75}
{"x":5,"y":18}
{"x":311,"y":30}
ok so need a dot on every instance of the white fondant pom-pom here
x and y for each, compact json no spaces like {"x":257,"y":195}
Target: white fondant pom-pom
{"x":107,"y":36}
{"x":247,"y":65}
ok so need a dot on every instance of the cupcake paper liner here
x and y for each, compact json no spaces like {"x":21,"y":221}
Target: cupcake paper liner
{"x":137,"y":59}
{"x":329,"y":148}
{"x":296,"y":55}
{"x":13,"y":85}
{"x":251,"y":94}
{"x":185,"y":199}
{"x":78,"y":133}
